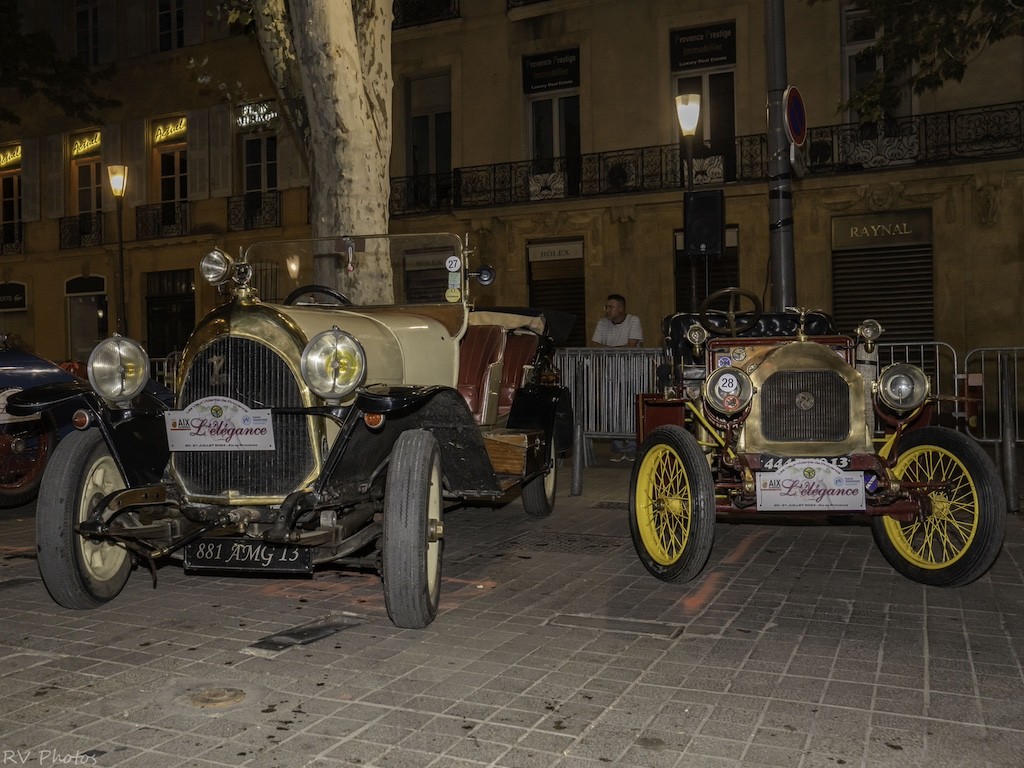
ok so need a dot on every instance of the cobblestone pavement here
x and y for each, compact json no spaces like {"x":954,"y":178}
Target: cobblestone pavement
{"x":798,"y":646}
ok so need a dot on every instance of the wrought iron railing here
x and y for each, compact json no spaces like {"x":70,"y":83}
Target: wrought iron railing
{"x":519,"y":3}
{"x":161,"y":220}
{"x":986,"y":132}
{"x":415,"y":13}
{"x":11,"y":237}
{"x":82,"y":230}
{"x":254,"y":210}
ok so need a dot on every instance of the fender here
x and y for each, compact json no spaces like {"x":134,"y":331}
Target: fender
{"x":135,"y":436}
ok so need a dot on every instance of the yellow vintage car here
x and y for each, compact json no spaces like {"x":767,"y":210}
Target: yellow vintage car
{"x":769,"y":414}
{"x":306,"y":430}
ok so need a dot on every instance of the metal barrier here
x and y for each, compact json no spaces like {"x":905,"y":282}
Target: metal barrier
{"x":604,"y":383}
{"x":994,"y":378}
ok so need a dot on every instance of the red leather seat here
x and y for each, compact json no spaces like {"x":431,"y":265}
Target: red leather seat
{"x":480,"y":354}
{"x":520,"y":350}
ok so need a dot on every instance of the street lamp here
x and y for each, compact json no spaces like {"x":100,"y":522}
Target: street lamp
{"x":118,"y":175}
{"x":688,"y":112}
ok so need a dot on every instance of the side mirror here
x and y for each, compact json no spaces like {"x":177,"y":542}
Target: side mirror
{"x":485,"y":275}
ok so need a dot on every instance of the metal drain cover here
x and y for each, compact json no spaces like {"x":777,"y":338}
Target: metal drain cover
{"x":207,"y":698}
{"x":559,"y":541}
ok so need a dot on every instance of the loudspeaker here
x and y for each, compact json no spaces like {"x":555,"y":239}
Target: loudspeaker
{"x":704,"y":223}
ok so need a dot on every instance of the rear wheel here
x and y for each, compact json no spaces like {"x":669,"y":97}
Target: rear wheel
{"x":539,"y":493}
{"x":672,"y":505}
{"x":78,"y":572}
{"x":25,"y":447}
{"x":412,"y":542}
{"x":961,"y":537}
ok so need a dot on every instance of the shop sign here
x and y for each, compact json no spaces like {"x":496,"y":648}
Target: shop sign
{"x":700,"y":47}
{"x":551,"y":71}
{"x":86,"y":145}
{"x":256,"y":115}
{"x":13,"y":297}
{"x":882,"y":230}
{"x":572,"y":249}
{"x":172,"y":129}
{"x":10,"y":157}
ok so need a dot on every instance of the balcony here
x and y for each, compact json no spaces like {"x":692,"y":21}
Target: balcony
{"x":254,"y":210}
{"x":160,"y":220}
{"x":941,"y":137}
{"x":11,"y":237}
{"x":416,"y":13}
{"x":81,"y":231}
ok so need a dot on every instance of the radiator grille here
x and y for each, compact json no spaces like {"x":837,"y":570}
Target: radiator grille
{"x":255,"y":375}
{"x":805,"y":406}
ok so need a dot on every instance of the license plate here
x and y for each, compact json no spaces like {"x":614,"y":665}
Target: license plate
{"x":249,"y":555}
{"x":809,"y":485}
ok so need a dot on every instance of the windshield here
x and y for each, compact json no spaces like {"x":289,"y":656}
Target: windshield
{"x":414,"y":269}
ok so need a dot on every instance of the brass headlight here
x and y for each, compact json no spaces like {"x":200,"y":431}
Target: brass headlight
{"x":903,"y":387}
{"x":216,"y":267}
{"x":728,"y":391}
{"x":118,"y":369}
{"x":333,"y":365}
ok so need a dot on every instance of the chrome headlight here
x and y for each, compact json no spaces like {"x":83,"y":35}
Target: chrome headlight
{"x":728,"y":391}
{"x":333,"y":364}
{"x":903,"y":387}
{"x":118,"y":369}
{"x":216,"y":267}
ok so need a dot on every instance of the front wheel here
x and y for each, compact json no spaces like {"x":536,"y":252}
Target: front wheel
{"x":412,"y":542}
{"x":672,"y":505}
{"x":960,"y":538}
{"x":539,"y":493}
{"x":78,"y":572}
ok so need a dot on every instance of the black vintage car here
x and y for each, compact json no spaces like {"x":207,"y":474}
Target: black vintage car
{"x":769,"y":414}
{"x":306,"y":430}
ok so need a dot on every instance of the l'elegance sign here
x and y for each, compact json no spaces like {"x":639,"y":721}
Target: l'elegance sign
{"x":882,"y":230}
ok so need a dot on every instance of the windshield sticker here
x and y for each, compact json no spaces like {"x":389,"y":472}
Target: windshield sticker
{"x":453,"y":264}
{"x":7,"y":418}
{"x":219,"y":424}
{"x":809,"y":484}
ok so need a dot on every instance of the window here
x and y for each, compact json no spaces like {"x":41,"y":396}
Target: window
{"x":173,"y":165}
{"x":87,"y":176}
{"x":87,"y":314}
{"x":259,"y":160}
{"x":171,"y":24}
{"x":551,"y":83}
{"x":10,"y":211}
{"x":429,"y":138}
{"x":860,"y":66}
{"x":87,"y":31}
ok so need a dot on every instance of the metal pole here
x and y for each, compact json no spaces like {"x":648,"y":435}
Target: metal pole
{"x":1007,"y":433}
{"x":780,"y":194}
{"x":122,"y":316}
{"x":694,"y":295}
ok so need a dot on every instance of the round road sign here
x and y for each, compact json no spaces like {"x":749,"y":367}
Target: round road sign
{"x":796,"y":118}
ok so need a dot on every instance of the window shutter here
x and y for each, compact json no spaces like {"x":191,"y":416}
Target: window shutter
{"x":54,"y":166}
{"x":133,"y":154}
{"x":292,"y":170}
{"x":112,"y":154}
{"x":198,"y":154}
{"x":30,"y":180}
{"x":107,"y":14}
{"x":221,"y":154}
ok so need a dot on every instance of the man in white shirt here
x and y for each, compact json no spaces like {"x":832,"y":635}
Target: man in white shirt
{"x":618,"y":329}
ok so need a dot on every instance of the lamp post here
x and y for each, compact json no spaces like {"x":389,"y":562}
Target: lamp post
{"x":688,"y":112}
{"x":118,"y":176}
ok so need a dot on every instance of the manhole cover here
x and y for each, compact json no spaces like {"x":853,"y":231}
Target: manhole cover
{"x":206,"y":698}
{"x":612,"y":505}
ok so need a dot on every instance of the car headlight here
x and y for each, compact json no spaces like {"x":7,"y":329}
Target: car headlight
{"x":215,"y":267}
{"x":728,"y":391}
{"x":903,"y":387}
{"x":118,"y":369}
{"x":333,"y":364}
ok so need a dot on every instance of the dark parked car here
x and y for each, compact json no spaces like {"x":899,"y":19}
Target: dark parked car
{"x":306,"y":430}
{"x":777,"y":413}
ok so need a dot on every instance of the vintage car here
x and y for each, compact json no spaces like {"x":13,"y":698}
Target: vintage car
{"x":766,"y":414}
{"x":26,"y":442}
{"x":306,"y":431}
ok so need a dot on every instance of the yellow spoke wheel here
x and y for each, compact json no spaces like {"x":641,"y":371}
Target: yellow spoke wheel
{"x":960,"y":535}
{"x":672,"y":505}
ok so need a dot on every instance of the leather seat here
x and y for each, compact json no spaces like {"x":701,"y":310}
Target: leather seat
{"x":520,"y":351}
{"x":480,"y":359}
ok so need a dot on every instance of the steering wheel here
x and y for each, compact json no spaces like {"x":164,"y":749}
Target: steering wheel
{"x":313,"y":290}
{"x":738,"y":321}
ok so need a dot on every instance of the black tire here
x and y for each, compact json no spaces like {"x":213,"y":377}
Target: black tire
{"x":539,"y":493}
{"x":672,"y":505}
{"x":78,"y":572}
{"x":412,"y":542}
{"x":25,"y":447}
{"x":961,"y":538}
